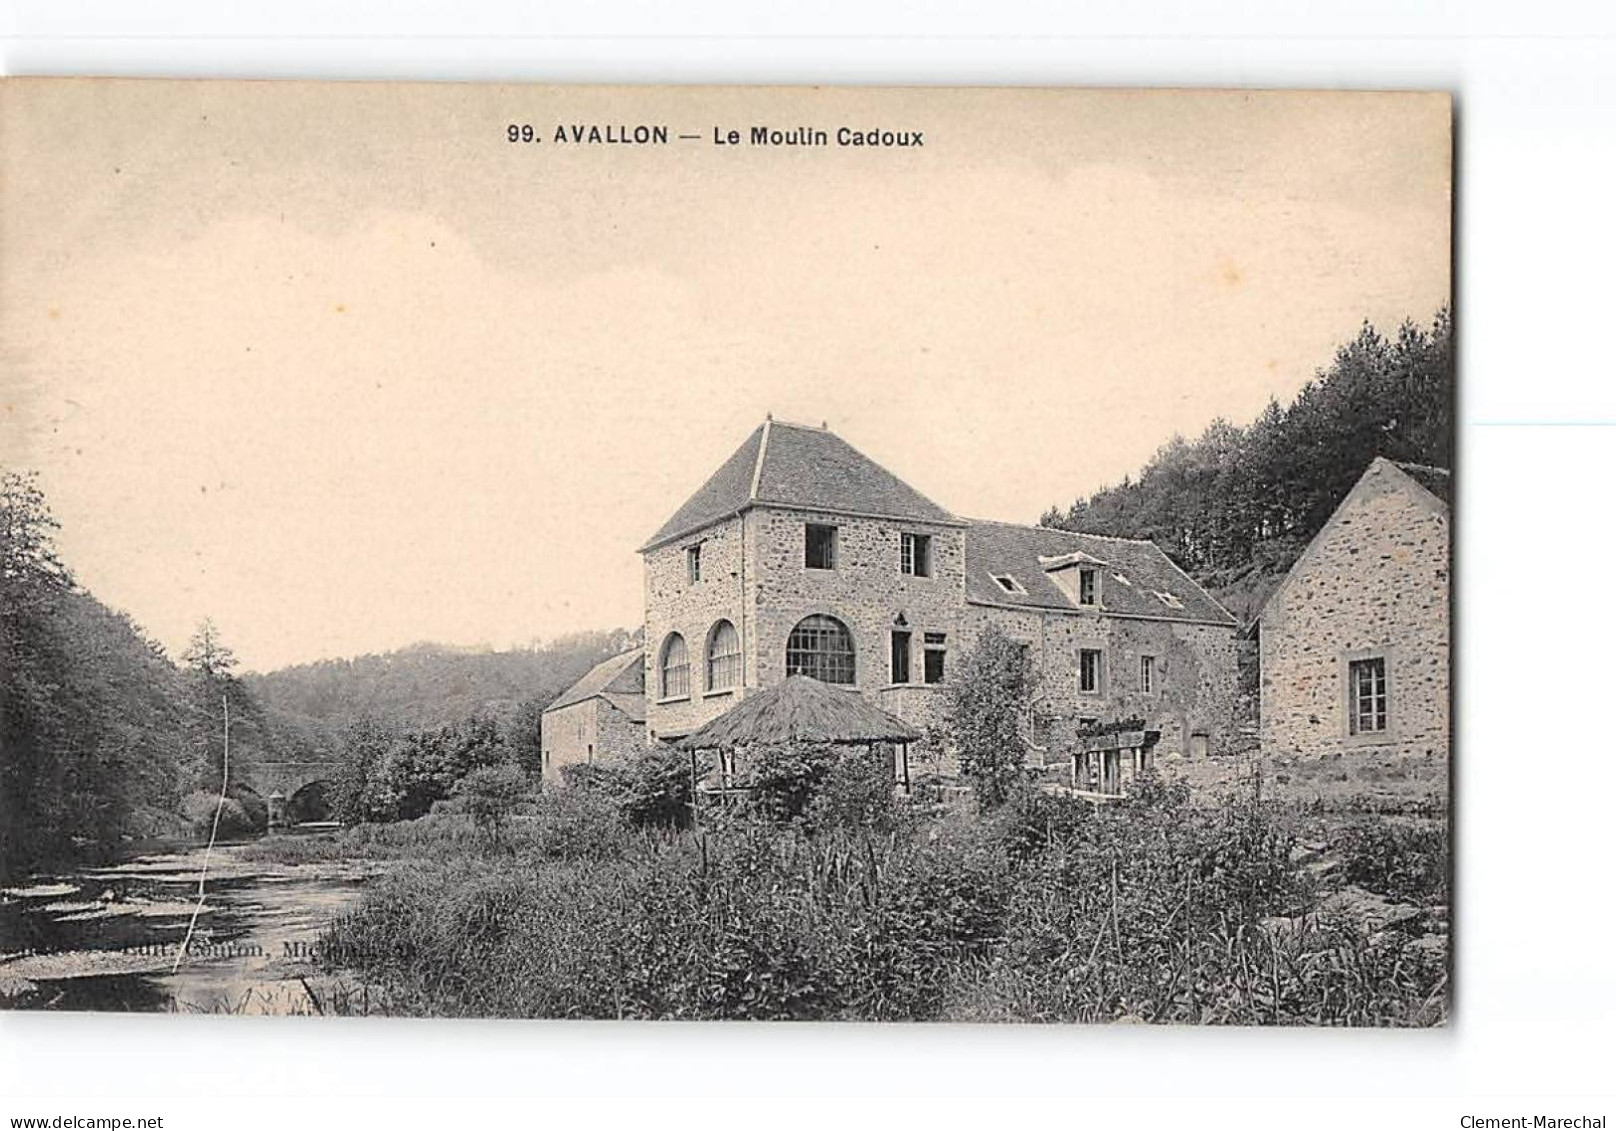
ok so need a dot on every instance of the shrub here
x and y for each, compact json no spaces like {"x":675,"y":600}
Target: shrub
{"x":654,"y":789}
{"x":488,"y":795}
{"x":1397,"y":860}
{"x":786,"y":779}
{"x":857,"y":793}
{"x":199,"y":809}
{"x":579,"y":823}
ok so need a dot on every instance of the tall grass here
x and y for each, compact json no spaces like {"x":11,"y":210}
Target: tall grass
{"x":1048,"y":911}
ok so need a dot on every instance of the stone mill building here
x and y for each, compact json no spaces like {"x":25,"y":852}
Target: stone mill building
{"x":800,"y":555}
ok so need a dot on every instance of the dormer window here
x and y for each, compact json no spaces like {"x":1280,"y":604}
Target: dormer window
{"x":1088,"y":587}
{"x":1007,"y":583}
{"x":1168,"y":599}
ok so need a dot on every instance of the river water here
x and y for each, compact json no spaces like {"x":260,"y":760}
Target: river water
{"x":107,"y":938}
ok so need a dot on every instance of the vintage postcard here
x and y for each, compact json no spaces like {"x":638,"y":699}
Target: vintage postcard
{"x":720,"y":553}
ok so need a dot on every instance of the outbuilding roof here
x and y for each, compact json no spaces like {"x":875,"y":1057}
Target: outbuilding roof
{"x":801,"y":709}
{"x":804,"y":468}
{"x":1010,"y":564}
{"x":620,"y":681}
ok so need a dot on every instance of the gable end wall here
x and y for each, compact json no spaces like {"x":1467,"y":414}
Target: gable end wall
{"x":1374,"y":582}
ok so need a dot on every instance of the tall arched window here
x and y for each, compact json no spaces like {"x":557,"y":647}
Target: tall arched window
{"x":723,"y":657}
{"x":821,"y":647}
{"x":675,"y":667}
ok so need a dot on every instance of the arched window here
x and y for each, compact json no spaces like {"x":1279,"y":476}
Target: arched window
{"x":723,"y":657}
{"x":821,"y":647}
{"x":675,"y":667}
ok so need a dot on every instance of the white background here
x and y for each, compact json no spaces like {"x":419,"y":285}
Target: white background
{"x":1536,"y":982}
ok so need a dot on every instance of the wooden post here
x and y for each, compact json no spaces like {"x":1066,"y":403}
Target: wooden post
{"x":695,"y":795}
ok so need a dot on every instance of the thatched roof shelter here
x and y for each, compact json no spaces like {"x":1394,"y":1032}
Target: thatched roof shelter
{"x":801,"y":709}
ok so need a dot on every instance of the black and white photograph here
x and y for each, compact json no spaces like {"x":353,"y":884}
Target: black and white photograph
{"x":730,"y":554}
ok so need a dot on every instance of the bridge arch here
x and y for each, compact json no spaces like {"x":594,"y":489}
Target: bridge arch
{"x":313,"y":801}
{"x":288,"y":780}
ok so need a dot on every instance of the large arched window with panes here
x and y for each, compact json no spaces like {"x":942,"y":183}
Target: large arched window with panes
{"x":674,"y":668}
{"x":821,"y":647}
{"x":723,"y":657}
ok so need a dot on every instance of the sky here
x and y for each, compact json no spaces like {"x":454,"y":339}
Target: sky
{"x":343,"y":368}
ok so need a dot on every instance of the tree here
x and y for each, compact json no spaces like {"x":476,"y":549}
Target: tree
{"x":984,"y":713}
{"x":524,"y":736}
{"x":90,"y":708}
{"x":208,"y":654}
{"x":489,"y":795}
{"x":364,"y":745}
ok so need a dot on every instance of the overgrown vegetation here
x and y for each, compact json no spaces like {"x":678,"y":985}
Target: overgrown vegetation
{"x":853,"y":906}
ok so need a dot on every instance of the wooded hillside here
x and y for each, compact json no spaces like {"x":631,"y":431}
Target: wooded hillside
{"x":1237,"y":505}
{"x":426,"y":686}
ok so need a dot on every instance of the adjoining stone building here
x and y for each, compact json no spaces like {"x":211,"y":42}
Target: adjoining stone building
{"x":800,"y":555}
{"x":599,"y":719}
{"x":1355,"y":641}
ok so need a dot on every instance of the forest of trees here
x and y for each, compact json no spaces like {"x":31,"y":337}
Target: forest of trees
{"x":104,"y":737}
{"x":429,"y":685}
{"x":1236,"y":506}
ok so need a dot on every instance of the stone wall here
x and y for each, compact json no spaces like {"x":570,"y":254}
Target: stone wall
{"x":587,"y":733}
{"x":1373,"y":583}
{"x":867,"y":591}
{"x":674,"y":604}
{"x":1194,"y":681}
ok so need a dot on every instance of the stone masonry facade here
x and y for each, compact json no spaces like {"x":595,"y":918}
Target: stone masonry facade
{"x":754,"y":576}
{"x":1372,"y":586}
{"x":593,"y":732}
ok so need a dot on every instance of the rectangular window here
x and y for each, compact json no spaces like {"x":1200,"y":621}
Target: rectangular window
{"x":900,"y":657}
{"x":936,"y":650}
{"x":693,"y":562}
{"x":819,"y":547}
{"x":916,"y":554}
{"x":1366,"y":684}
{"x":1038,"y":730}
{"x":1088,"y":587}
{"x":1088,"y":671}
{"x":1147,"y":674}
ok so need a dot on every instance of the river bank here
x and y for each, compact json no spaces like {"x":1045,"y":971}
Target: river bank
{"x":110,"y":938}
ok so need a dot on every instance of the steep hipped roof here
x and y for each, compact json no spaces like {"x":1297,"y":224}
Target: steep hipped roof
{"x":619,"y":680}
{"x":801,"y":709}
{"x":1133,"y":573}
{"x":792,"y":465}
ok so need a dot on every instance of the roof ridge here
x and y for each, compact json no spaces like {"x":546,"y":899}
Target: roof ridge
{"x":798,"y":424}
{"x":1407,"y":464}
{"x":763,"y":450}
{"x":1058,"y":530}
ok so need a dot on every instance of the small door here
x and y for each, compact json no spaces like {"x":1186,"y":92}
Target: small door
{"x":1111,"y":772}
{"x":1199,"y":747}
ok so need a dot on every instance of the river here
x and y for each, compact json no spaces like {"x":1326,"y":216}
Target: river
{"x":107,"y":938}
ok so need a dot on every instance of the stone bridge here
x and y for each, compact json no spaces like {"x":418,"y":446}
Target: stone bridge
{"x":292,"y":787}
